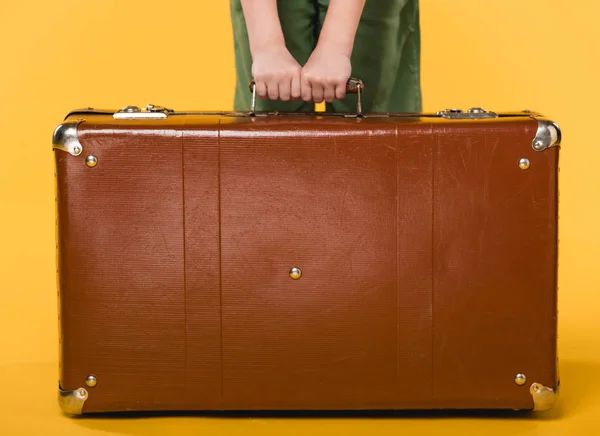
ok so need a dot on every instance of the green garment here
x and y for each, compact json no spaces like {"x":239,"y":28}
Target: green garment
{"x":386,"y":55}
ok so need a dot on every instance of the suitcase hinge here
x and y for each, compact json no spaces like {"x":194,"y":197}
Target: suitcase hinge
{"x":471,"y":114}
{"x":135,"y":113}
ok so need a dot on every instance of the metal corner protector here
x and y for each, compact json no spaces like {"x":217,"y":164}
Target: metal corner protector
{"x":66,"y":138}
{"x":544,"y":397}
{"x":548,"y":134}
{"x":71,"y":402}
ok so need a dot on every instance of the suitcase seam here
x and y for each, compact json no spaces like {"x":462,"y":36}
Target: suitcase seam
{"x":220,"y":256}
{"x":434,"y":148}
{"x":185,"y":295}
{"x":397,"y":264}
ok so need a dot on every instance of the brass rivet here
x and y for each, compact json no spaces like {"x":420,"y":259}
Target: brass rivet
{"x":91,"y":381}
{"x":76,"y":151}
{"x":520,"y":379}
{"x":295,"y":273}
{"x":524,"y":164}
{"x":82,"y":392}
{"x":91,"y":161}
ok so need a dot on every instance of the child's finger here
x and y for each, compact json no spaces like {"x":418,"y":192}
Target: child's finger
{"x":340,"y":91}
{"x":317,"y":93}
{"x":306,"y":90}
{"x":296,"y":88}
{"x":329,"y":93}
{"x":273,"y":90}
{"x":285,"y":90}
{"x":261,"y":89}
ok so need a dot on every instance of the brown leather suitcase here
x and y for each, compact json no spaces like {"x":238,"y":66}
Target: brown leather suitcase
{"x":252,"y":261}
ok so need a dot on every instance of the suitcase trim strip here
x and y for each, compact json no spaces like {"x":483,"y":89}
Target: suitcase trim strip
{"x":65,"y":136}
{"x":159,"y":112}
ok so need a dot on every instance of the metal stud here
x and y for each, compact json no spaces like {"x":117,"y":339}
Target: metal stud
{"x":91,"y":161}
{"x":91,"y":381}
{"x":77,"y":151}
{"x":520,"y":379}
{"x":477,"y":110}
{"x":295,"y":273}
{"x":524,"y":164}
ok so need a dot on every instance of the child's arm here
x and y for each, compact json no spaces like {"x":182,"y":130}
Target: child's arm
{"x":326,"y":73}
{"x":274,"y":69}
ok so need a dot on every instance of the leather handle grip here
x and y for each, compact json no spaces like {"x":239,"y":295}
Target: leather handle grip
{"x":352,"y":86}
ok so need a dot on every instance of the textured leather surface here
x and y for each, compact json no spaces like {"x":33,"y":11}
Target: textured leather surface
{"x":429,"y":263}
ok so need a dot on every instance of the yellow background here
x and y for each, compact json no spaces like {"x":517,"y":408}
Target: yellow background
{"x":59,"y":55}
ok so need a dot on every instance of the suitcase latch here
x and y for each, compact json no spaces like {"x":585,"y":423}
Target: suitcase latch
{"x":473,"y":113}
{"x":149,"y":112}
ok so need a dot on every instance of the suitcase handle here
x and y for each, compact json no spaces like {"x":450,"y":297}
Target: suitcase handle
{"x":353,"y":86}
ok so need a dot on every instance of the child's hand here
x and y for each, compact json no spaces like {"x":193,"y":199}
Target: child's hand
{"x":325,"y":76}
{"x":279,"y":76}
{"x":276,"y":74}
{"x":327,"y":71}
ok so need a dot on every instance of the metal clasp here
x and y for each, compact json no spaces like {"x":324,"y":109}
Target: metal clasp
{"x":473,"y":114}
{"x":150,"y":112}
